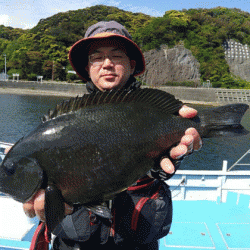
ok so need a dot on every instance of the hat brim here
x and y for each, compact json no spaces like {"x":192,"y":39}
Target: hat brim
{"x":78,"y":54}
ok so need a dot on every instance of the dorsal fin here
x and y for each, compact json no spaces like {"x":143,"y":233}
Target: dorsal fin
{"x":150,"y":97}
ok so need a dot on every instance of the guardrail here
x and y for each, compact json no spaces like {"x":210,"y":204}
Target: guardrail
{"x":233,"y":95}
{"x":209,"y":185}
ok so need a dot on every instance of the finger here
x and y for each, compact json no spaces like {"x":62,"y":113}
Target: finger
{"x":6,"y":151}
{"x":39,"y":205}
{"x":178,"y":151}
{"x":188,"y":141}
{"x":68,"y":209}
{"x":167,"y":166}
{"x":28,"y":209}
{"x":187,"y":112}
{"x":197,"y":144}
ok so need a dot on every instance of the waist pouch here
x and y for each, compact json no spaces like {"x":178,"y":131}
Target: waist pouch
{"x":142,"y":213}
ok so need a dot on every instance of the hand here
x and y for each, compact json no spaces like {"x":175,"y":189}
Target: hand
{"x":6,"y":151}
{"x":35,"y":207}
{"x":189,"y":142}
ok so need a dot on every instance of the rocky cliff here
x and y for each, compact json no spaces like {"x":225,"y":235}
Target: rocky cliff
{"x":170,"y":65}
{"x":179,"y":65}
{"x":238,"y":58}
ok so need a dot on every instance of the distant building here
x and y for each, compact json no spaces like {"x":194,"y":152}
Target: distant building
{"x":237,"y":56}
{"x":2,"y":76}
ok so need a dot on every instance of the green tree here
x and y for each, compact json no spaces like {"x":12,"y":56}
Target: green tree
{"x":202,"y":30}
{"x":35,"y":62}
{"x":53,"y":71}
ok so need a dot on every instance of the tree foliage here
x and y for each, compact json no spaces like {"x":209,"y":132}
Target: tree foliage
{"x":10,"y":33}
{"x":203,"y":31}
{"x":32,"y":51}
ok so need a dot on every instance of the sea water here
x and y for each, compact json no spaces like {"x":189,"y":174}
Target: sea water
{"x":19,"y":114}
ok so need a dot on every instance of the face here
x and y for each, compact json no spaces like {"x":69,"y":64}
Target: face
{"x":111,"y":74}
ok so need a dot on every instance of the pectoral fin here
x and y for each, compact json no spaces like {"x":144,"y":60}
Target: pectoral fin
{"x":54,"y":207}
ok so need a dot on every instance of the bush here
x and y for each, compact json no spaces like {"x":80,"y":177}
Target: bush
{"x":15,"y":71}
{"x":232,"y":82}
{"x":182,"y":84}
{"x":71,"y":77}
{"x":32,"y":77}
{"x":61,"y":75}
{"x":138,"y":79}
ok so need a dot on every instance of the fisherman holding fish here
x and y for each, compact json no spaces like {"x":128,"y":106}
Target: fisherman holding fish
{"x":108,"y":59}
{"x":93,"y":171}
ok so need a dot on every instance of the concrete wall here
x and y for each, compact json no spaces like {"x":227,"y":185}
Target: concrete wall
{"x":46,"y":86}
{"x":192,"y":94}
{"x":198,"y":95}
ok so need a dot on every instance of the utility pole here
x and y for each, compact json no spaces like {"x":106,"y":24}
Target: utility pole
{"x":5,"y":73}
{"x":53,"y":71}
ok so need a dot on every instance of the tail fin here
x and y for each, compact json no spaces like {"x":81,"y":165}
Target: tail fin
{"x":223,"y":121}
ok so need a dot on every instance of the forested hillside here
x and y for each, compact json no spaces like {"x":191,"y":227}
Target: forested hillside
{"x":203,"y":32}
{"x":36,"y":51}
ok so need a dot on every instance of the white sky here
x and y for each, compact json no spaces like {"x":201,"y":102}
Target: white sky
{"x":26,"y":14}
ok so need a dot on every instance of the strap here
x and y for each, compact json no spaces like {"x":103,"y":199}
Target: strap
{"x":142,"y":183}
{"x":68,"y":227}
{"x":138,"y":208}
{"x":112,"y":228}
{"x":137,"y":211}
{"x":40,"y":239}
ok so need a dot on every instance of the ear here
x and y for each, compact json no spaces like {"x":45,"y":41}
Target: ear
{"x":132,"y":65}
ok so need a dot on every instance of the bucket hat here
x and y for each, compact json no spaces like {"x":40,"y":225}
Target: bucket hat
{"x":113,"y":33}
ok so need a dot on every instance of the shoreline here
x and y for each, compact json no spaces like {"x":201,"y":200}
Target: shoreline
{"x":21,"y":91}
{"x":198,"y":96}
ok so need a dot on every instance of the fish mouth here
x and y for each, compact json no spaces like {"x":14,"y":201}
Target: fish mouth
{"x":22,"y":181}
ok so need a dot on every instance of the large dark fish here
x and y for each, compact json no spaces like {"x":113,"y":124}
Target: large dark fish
{"x":91,"y":148}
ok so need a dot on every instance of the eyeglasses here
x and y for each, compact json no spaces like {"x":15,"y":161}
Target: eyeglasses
{"x":97,"y":59}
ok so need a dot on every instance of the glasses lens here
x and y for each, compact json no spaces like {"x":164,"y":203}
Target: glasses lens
{"x":98,"y":59}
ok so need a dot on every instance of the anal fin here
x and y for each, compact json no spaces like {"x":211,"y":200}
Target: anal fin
{"x":54,"y":207}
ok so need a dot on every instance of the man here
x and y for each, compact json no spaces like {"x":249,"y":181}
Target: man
{"x":108,"y":59}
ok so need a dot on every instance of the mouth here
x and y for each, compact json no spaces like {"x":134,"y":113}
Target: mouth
{"x":108,"y":75}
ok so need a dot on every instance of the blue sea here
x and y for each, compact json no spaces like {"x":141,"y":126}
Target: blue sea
{"x":22,"y":113}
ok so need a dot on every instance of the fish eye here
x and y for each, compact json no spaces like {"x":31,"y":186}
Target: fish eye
{"x":9,"y":168}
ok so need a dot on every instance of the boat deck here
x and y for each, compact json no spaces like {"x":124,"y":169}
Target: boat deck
{"x":210,"y":224}
{"x":211,"y":210}
{"x":196,"y":225}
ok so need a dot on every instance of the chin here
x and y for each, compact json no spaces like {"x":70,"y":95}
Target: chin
{"x":110,"y":85}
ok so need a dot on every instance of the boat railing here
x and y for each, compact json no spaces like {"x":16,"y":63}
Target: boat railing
{"x":209,"y":185}
{"x":6,"y":144}
{"x":240,"y":161}
{"x":3,"y":147}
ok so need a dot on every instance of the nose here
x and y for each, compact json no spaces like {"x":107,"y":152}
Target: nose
{"x":107,"y":62}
